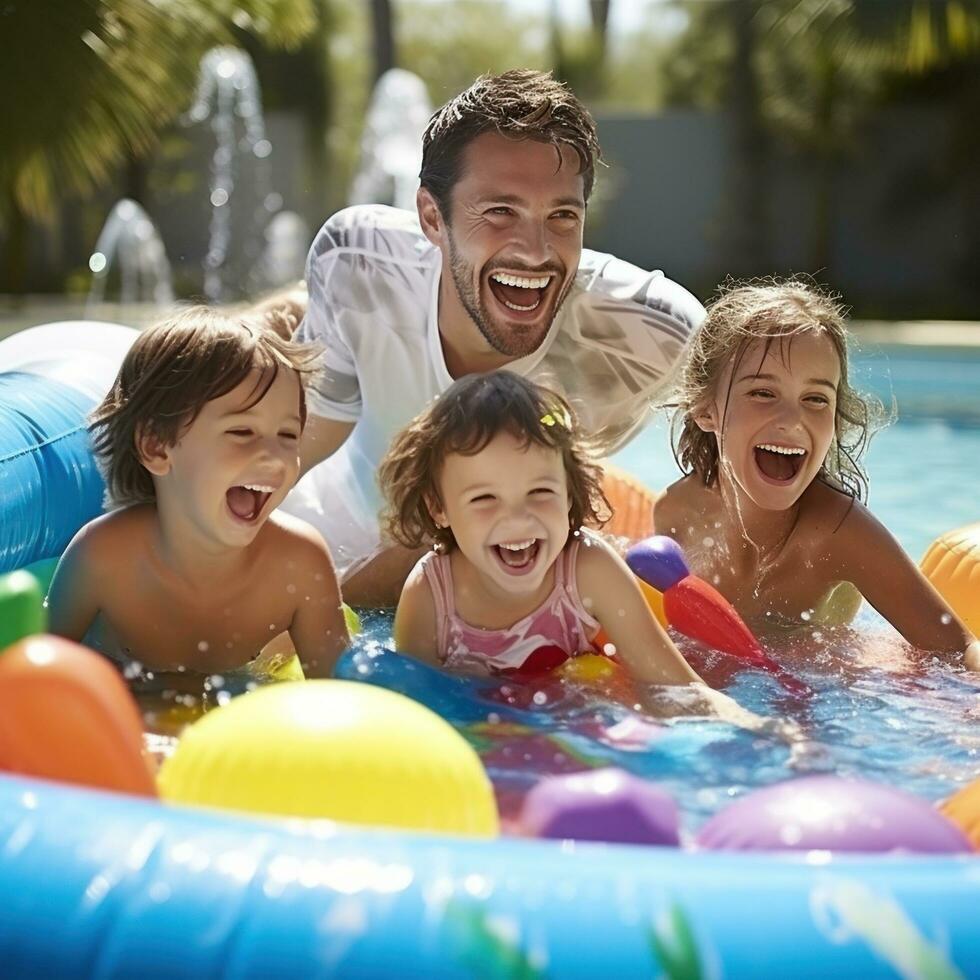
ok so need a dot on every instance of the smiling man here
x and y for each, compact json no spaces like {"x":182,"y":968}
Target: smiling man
{"x":490,"y":273}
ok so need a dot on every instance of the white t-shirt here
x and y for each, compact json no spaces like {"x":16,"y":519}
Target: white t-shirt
{"x":373,"y":281}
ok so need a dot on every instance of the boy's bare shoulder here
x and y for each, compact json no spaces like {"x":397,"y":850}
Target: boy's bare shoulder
{"x":116,"y":534}
{"x":285,"y":536}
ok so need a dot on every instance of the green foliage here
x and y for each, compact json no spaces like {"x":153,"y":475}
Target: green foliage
{"x":87,"y":83}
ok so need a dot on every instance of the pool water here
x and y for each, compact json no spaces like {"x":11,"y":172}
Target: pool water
{"x":876,"y":711}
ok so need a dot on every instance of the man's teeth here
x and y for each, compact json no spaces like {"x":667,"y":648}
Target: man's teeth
{"x":782,"y":450}
{"x":518,"y":545}
{"x":259,"y":488}
{"x":524,"y":282}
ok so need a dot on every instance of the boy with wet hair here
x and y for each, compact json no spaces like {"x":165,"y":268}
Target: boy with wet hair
{"x":199,"y":442}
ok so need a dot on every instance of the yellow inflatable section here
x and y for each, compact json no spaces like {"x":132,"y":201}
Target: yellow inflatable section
{"x":952,"y":565}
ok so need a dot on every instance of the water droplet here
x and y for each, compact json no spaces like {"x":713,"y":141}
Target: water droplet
{"x":540,"y":697}
{"x":97,"y":262}
{"x":272,"y":626}
{"x":262,"y":149}
{"x":806,"y":614}
{"x":203,"y":646}
{"x":223,"y":697}
{"x":708,"y":542}
{"x":945,"y":619}
{"x":219,"y":197}
{"x":291,"y":589}
{"x":609,"y":649}
{"x":217,"y":681}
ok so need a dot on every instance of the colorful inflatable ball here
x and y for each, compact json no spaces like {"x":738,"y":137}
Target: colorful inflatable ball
{"x":601,"y":805}
{"x":699,"y":610}
{"x":66,"y":714}
{"x":335,"y":749}
{"x":963,"y":808}
{"x":832,"y":813}
{"x":952,"y":565}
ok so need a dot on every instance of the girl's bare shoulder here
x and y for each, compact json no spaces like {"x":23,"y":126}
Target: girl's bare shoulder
{"x":683,"y":503}
{"x":829,"y":511}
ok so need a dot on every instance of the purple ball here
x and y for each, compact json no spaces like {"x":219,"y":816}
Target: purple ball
{"x":659,"y":561}
{"x":831,"y":813}
{"x":600,"y":805}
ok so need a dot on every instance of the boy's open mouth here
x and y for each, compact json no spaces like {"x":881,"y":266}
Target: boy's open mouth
{"x":246,"y":501}
{"x":522,"y":295}
{"x":779,"y":464}
{"x":517,"y":557}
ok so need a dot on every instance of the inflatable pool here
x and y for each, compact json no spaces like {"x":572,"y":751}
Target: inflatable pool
{"x":98,"y":884}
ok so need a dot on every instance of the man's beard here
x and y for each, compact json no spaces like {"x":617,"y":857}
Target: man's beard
{"x":511,"y":341}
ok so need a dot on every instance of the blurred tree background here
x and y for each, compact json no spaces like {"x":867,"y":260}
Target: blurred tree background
{"x":93,"y":94}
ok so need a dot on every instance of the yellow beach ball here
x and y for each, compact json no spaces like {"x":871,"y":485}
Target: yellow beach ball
{"x":952,"y":564}
{"x":342,"y":750}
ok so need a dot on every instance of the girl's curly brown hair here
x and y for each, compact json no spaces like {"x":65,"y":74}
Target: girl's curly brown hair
{"x":464,"y":419}
{"x":771,"y":311}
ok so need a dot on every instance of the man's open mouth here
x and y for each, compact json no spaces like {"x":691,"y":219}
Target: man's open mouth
{"x":517,"y":557}
{"x":521,"y":294}
{"x":779,"y":464}
{"x":247,"y":500}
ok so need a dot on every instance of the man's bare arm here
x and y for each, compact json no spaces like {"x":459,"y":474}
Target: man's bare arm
{"x":321,"y":439}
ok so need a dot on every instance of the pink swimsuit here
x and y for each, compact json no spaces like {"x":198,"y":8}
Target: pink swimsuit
{"x":559,"y":628}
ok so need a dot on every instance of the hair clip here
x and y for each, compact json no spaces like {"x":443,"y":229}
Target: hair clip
{"x":557,"y":417}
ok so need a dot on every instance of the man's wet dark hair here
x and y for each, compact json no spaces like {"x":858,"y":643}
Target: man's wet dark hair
{"x":521,"y":104}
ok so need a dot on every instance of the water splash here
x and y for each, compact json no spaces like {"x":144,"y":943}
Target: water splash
{"x":391,"y":145}
{"x":228,"y":94}
{"x":130,"y":240}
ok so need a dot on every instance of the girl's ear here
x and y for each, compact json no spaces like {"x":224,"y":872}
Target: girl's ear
{"x":153,"y":454}
{"x":704,"y":417}
{"x":438,"y":515}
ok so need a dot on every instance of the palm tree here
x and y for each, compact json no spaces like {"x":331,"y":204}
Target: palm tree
{"x":89,"y":84}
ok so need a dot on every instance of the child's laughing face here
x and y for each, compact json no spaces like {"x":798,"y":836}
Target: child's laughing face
{"x":508,"y":509}
{"x":235,"y":463}
{"x":773,"y":414}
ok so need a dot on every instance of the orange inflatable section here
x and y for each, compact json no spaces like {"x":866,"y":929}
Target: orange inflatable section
{"x":631,"y":502}
{"x":952,"y":564}
{"x":66,"y":714}
{"x":963,"y":808}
